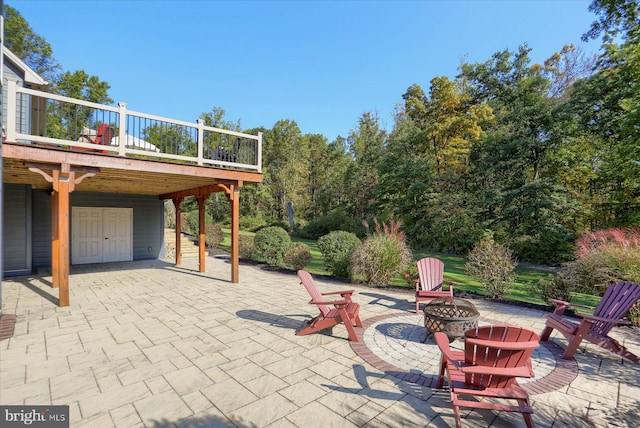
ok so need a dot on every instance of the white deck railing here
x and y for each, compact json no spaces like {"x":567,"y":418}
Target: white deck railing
{"x":44,"y":118}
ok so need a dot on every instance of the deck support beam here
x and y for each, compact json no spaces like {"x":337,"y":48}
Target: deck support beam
{"x":63,"y":180}
{"x":62,"y":186}
{"x":177,"y":203}
{"x":233,"y":195}
{"x":202,"y":202}
{"x":234,"y":198}
{"x":231,"y":189}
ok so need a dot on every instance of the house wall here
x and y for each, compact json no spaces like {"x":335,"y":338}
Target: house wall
{"x":12,"y":72}
{"x":148,"y":222}
{"x":16,"y":242}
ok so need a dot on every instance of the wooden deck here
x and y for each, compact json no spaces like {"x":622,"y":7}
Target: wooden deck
{"x":48,"y":146}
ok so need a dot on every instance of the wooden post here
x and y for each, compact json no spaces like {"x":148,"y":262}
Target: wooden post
{"x":55,"y":241}
{"x":201,"y":241}
{"x":177,"y":202}
{"x":63,"y":184}
{"x":234,"y":199}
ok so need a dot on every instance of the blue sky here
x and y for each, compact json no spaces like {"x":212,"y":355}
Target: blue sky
{"x":321,"y":64}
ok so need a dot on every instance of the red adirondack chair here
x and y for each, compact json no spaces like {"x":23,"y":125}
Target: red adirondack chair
{"x":494,"y":356}
{"x":615,"y":304}
{"x":102,"y":136}
{"x":332,"y":312}
{"x":430,"y":281}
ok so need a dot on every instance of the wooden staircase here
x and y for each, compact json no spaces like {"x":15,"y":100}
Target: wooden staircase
{"x":188,"y":244}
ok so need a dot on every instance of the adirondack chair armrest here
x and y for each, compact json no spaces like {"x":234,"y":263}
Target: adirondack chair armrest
{"x":416,"y":282}
{"x":522,"y":371}
{"x":443,"y":343}
{"x":594,"y":318}
{"x":558,"y":302}
{"x":335,"y":303}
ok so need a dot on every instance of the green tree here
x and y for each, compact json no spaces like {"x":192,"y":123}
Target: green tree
{"x":65,"y":120}
{"x":170,"y":138}
{"x":216,"y":118}
{"x":284,"y":156}
{"x":28,"y":45}
{"x":511,"y":165}
{"x":319,"y":167}
{"x":80,"y":85}
{"x":366,"y":145}
{"x":333,"y":195}
{"x":424,"y":171}
{"x":607,"y":107}
{"x":450,"y":120}
{"x":615,"y":18}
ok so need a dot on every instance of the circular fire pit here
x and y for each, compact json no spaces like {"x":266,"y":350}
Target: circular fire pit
{"x":450,"y":315}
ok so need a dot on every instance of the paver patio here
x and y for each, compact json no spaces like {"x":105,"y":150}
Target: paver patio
{"x":151,"y":344}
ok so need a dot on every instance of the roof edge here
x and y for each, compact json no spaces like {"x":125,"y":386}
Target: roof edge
{"x":30,"y":76}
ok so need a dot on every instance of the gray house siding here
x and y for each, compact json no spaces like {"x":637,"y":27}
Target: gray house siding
{"x":16,"y":242}
{"x":41,"y":228}
{"x":148,"y":222}
{"x":12,"y":72}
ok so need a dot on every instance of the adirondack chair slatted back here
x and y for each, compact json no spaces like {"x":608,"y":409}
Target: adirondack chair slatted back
{"x":307,"y":280}
{"x":615,"y":304}
{"x":431,"y":272}
{"x":105,"y":134}
{"x":498,"y":346}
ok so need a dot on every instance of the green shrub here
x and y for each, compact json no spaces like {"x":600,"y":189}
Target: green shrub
{"x":297,"y":255}
{"x":184,"y":223}
{"x":549,"y":246}
{"x":218,"y":208}
{"x":252,"y":224}
{"x":213,"y":235}
{"x":336,"y":220}
{"x":552,"y":287}
{"x":193,"y":222}
{"x":382,"y":255}
{"x":246,"y":246}
{"x":282,"y":224}
{"x":169,"y":214}
{"x":271,"y":243}
{"x":336,"y":248}
{"x":492,"y":265}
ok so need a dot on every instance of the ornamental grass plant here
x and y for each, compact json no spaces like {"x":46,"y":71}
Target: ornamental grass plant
{"x":383,"y":253}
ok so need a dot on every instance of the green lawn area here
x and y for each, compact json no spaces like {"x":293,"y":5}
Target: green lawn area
{"x":454,"y":271}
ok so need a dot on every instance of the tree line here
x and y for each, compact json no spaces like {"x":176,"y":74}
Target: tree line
{"x":538,"y":154}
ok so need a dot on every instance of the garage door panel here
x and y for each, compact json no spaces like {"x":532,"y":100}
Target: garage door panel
{"x":101,"y":235}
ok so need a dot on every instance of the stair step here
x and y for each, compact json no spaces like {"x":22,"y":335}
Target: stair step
{"x":188,"y":245}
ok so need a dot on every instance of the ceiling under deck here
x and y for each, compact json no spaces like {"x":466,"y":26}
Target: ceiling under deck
{"x":115,"y":174}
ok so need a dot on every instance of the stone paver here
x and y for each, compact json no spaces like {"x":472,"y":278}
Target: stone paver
{"x":151,"y":344}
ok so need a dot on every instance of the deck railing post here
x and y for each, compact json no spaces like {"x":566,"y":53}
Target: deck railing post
{"x":200,"y":141}
{"x":122,"y":129}
{"x":259,"y":152}
{"x":12,"y":107}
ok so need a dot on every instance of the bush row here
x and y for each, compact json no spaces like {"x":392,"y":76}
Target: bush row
{"x":601,"y":258}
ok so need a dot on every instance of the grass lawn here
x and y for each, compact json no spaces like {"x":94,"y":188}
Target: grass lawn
{"x":454,"y":271}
